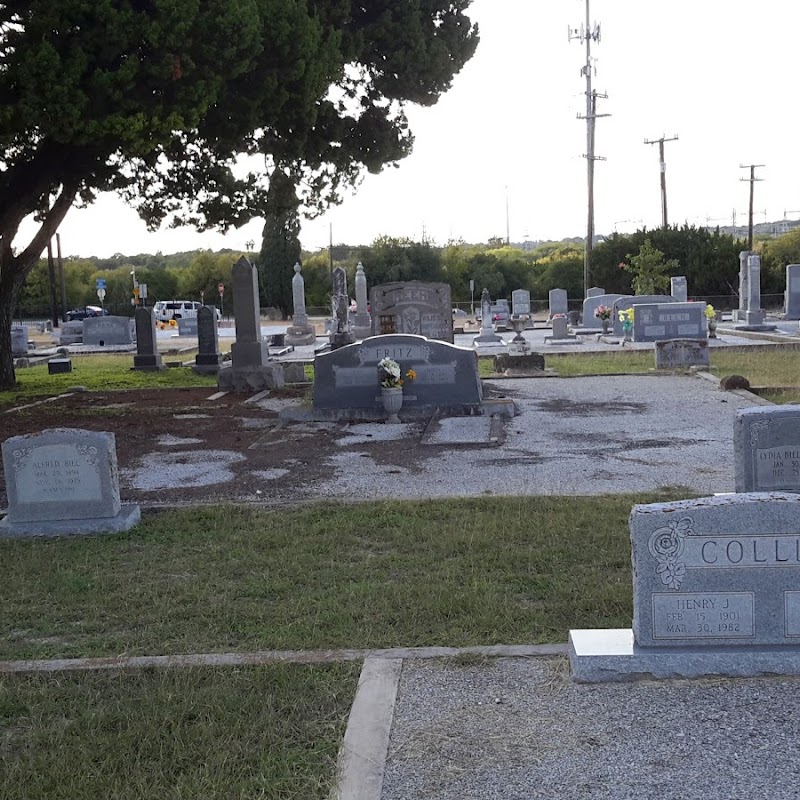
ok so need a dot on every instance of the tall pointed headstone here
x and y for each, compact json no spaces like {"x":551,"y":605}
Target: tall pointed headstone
{"x":362,"y":324}
{"x":487,"y":336}
{"x":300,"y":332}
{"x":208,"y":358}
{"x":341,"y":333}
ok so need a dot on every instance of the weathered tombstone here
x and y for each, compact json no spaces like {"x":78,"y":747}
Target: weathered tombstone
{"x":249,"y":369}
{"x":558,"y":302}
{"x":715,"y":592}
{"x":654,"y":321}
{"x":486,"y":336}
{"x":208,"y":358}
{"x":300,"y":332}
{"x":750,"y":312}
{"x":63,"y":481}
{"x":147,"y":356}
{"x":71,"y":333}
{"x":520,"y":302}
{"x":105,"y":331}
{"x":591,"y":304}
{"x":446,"y":375}
{"x":341,"y":334}
{"x":561,"y":334}
{"x":637,"y":300}
{"x":766,"y":446}
{"x":681,"y":353}
{"x":56,"y":366}
{"x":679,"y":289}
{"x":414,"y":307}
{"x":19,"y":340}
{"x":595,"y":291}
{"x":791,"y":305}
{"x":362,"y":323}
{"x":187,"y":326}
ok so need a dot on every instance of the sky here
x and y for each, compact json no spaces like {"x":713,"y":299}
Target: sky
{"x":502,"y":151}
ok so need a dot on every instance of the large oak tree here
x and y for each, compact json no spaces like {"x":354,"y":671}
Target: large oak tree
{"x":156,"y":99}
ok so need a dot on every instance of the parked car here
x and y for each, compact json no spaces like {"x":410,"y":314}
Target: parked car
{"x":165,"y":310}
{"x":88,"y":311}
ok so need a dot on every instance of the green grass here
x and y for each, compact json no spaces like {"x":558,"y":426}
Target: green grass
{"x":461,"y":572}
{"x":98,"y":373}
{"x":252,"y":732}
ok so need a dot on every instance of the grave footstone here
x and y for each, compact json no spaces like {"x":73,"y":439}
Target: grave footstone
{"x":300,"y":332}
{"x":791,"y":306}
{"x":208,"y":359}
{"x":681,"y":353}
{"x":56,"y":366}
{"x":414,"y":307}
{"x":147,"y":356}
{"x":766,"y":446}
{"x":61,"y":482}
{"x":106,"y":331}
{"x":716,"y":591}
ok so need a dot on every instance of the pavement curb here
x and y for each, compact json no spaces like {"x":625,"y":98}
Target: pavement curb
{"x":362,"y":758}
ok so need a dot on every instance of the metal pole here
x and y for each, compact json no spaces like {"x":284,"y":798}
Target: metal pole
{"x":587,"y":256}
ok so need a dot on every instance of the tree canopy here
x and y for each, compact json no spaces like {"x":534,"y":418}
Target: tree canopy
{"x":157,"y":99}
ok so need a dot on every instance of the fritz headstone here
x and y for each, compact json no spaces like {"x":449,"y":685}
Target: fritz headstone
{"x":766,"y":446}
{"x":414,"y":307}
{"x":208,"y":358}
{"x":791,"y":307}
{"x":716,"y":591}
{"x":681,"y":353}
{"x":63,"y":481}
{"x":147,"y":356}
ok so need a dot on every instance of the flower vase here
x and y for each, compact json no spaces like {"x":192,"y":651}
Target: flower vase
{"x":392,"y":399}
{"x":605,"y":324}
{"x":712,"y":329}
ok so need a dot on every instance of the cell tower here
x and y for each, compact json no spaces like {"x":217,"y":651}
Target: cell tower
{"x":587,"y":34}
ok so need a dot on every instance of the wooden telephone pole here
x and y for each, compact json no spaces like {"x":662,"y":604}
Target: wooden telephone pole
{"x":752,"y":180}
{"x":663,"y":169}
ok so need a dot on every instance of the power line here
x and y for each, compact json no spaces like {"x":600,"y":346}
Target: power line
{"x":587,"y":34}
{"x":663,"y":169}
{"x":752,"y":180}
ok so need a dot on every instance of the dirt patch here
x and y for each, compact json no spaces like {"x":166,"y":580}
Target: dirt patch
{"x":572,"y":408}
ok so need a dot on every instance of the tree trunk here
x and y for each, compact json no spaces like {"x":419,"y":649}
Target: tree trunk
{"x":9,"y":289}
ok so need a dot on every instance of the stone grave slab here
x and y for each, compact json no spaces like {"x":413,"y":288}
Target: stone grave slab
{"x":63,"y":481}
{"x":104,"y":331}
{"x":414,"y":307}
{"x":681,"y":353}
{"x":446,"y":375}
{"x":766,"y":447}
{"x":716,"y":591}
{"x":59,"y":365}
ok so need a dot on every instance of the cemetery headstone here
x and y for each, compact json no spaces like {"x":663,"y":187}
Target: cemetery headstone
{"x":63,"y":481}
{"x":446,"y":375}
{"x":341,"y":334}
{"x":56,"y":366}
{"x":105,"y":331}
{"x":681,"y":353}
{"x":486,"y":336}
{"x":715,"y":592}
{"x":71,"y":333}
{"x":362,"y":322}
{"x":652,"y":322}
{"x":791,"y":306}
{"x":414,"y":307}
{"x":558,"y":302}
{"x":679,"y":288}
{"x":561,"y":334}
{"x":591,"y":304}
{"x":187,"y":326}
{"x":147,"y":356}
{"x":300,"y":332}
{"x":19,"y":340}
{"x":750,"y":312}
{"x":249,"y":369}
{"x":208,"y":358}
{"x":511,"y":364}
{"x":766,"y":446}
{"x":520,"y":302}
{"x":637,"y":300}
{"x":595,"y":291}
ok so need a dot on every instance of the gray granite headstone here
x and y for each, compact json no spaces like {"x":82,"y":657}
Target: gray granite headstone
{"x":558,"y":302}
{"x":681,"y":353}
{"x":487,"y":336}
{"x":446,"y":375}
{"x":791,"y":307}
{"x":63,"y":481}
{"x":300,"y":332}
{"x":595,"y":291}
{"x":105,"y":331}
{"x":208,"y":358}
{"x":341,"y":333}
{"x":19,"y":340}
{"x":679,"y":289}
{"x":716,"y":591}
{"x":147,"y":356}
{"x":653,"y":322}
{"x":750,"y":313}
{"x":71,"y":333}
{"x":362,"y":322}
{"x":414,"y":307}
{"x":593,"y":302}
{"x":637,"y":300}
{"x":766,"y":446}
{"x":187,"y":326}
{"x":520,"y":302}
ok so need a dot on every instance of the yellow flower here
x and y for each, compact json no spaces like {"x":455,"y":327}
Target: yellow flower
{"x":411,"y":375}
{"x":710,"y":312}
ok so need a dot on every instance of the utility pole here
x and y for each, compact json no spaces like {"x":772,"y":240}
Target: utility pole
{"x":587,"y":34}
{"x":663,"y":167}
{"x":508,"y":229}
{"x":752,"y":180}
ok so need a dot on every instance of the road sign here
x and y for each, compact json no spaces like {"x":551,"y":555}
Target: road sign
{"x":101,"y":293}
{"x":143,"y":291}
{"x":100,"y":283}
{"x":221,"y":289}
{"x":136,"y":292}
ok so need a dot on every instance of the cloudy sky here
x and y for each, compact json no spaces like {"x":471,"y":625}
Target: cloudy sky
{"x":719,"y":74}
